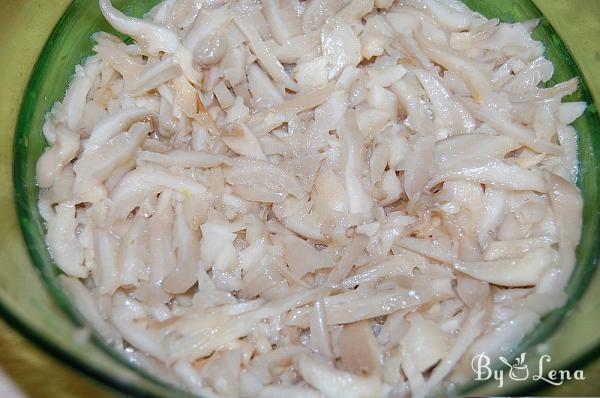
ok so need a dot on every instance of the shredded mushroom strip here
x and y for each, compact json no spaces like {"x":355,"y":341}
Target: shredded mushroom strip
{"x":313,"y":198}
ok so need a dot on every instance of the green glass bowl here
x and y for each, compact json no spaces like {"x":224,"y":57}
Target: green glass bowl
{"x":30,"y":295}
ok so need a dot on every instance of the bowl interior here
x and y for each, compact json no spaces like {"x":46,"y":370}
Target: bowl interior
{"x":70,"y":43}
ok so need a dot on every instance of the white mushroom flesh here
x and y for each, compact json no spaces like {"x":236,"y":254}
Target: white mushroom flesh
{"x":314,"y":198}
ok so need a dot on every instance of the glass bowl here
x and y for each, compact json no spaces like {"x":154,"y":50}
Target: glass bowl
{"x":30,"y":295}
